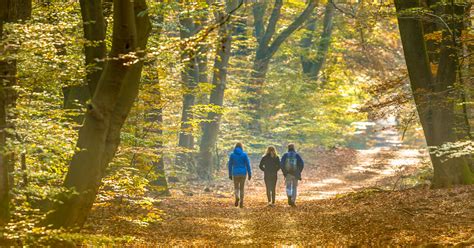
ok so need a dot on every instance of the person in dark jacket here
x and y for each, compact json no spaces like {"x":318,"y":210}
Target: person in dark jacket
{"x":239,"y":168}
{"x":291,"y":165}
{"x":270,"y":165}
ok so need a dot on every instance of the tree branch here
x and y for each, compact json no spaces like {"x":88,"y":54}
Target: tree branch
{"x":258,"y":13}
{"x":274,"y":17}
{"x":292,"y":27}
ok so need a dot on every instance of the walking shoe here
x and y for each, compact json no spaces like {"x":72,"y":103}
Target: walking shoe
{"x":292,"y":204}
{"x":241,"y":205}
{"x":236,"y":202}
{"x":289,"y":200}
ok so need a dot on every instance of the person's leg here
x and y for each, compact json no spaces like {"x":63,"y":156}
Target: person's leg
{"x":242,"y":186}
{"x":295,"y":190}
{"x":268,"y":188}
{"x":236,"y":190}
{"x":273,"y":189}
{"x":289,"y":188}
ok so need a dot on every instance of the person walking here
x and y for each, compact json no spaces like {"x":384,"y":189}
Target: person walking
{"x":291,"y":165}
{"x":239,"y":168}
{"x":270,"y":165}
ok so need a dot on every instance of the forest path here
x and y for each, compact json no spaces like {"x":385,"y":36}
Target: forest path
{"x":204,"y":215}
{"x":371,"y":218}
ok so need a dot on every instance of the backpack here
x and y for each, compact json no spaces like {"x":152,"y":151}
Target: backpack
{"x":291,"y":164}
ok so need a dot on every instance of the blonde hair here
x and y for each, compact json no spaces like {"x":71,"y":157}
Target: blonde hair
{"x":271,"y":151}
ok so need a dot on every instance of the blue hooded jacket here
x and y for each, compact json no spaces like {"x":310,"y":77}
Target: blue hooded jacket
{"x":239,"y":163}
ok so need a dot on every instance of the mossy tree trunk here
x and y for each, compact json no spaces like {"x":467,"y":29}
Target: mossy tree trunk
{"x":99,"y":137}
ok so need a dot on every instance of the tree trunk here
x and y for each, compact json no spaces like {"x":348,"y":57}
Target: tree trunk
{"x":313,"y":61}
{"x":113,"y":98}
{"x":95,"y":50}
{"x":4,"y":176}
{"x":155,"y":117}
{"x":94,"y":32}
{"x":211,"y":129}
{"x":268,"y":45}
{"x":306,"y":44}
{"x":11,"y":11}
{"x":190,"y":77}
{"x":434,"y":96}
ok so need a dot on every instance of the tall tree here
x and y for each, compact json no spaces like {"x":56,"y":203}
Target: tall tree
{"x":210,"y":129}
{"x":313,"y":59}
{"x":11,"y":11}
{"x":155,"y":119}
{"x":194,"y":58}
{"x":116,"y":91}
{"x":436,"y":94}
{"x":269,"y":41}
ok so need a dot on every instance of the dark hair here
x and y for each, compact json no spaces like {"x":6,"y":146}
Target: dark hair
{"x":291,"y":147}
{"x":239,"y":145}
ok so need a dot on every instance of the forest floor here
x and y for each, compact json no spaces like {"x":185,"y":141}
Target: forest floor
{"x":347,"y":198}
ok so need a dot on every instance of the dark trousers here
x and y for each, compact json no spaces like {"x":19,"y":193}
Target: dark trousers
{"x":270,"y":184}
{"x":239,"y":183}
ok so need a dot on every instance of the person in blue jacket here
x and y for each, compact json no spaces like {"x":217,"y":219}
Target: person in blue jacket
{"x":291,"y":165}
{"x":239,"y":168}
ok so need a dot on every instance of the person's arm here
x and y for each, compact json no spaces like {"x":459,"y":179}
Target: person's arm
{"x":300,"y":162}
{"x":230,"y":165}
{"x":249,"y":168}
{"x":262,"y":165}
{"x":282,"y":164}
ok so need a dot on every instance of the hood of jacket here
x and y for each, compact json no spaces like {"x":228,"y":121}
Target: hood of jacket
{"x":238,"y":151}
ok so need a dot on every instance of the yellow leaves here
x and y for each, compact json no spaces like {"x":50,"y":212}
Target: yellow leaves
{"x":434,"y":36}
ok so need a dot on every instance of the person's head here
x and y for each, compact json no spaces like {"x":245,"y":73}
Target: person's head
{"x":291,"y":147}
{"x":271,"y":151}
{"x":239,"y":145}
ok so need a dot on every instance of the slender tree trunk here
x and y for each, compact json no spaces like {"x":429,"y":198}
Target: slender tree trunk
{"x":11,"y":11}
{"x":190,"y":77}
{"x":324,"y":42}
{"x":306,"y":44}
{"x":434,"y":96}
{"x":268,"y":44}
{"x":95,"y":52}
{"x":155,"y":117}
{"x":159,"y":165}
{"x":312,"y":66}
{"x":211,"y":129}
{"x":99,"y":136}
{"x":4,"y":180}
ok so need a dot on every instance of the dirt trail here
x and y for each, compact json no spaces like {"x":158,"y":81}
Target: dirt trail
{"x":204,"y":215}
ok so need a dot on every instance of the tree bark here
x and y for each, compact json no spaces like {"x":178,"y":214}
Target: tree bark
{"x":210,"y":129}
{"x":11,"y":11}
{"x":434,"y":95}
{"x":4,"y":176}
{"x":155,"y":118}
{"x":112,"y":100}
{"x":95,"y":50}
{"x":190,"y":77}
